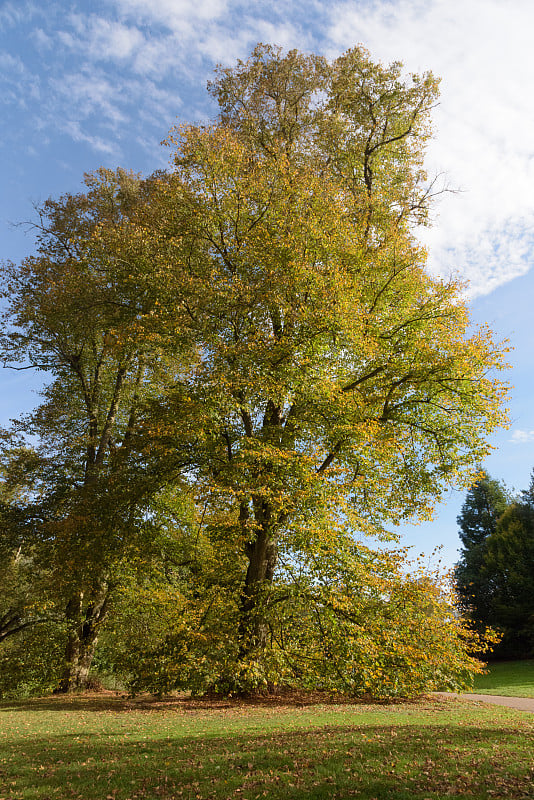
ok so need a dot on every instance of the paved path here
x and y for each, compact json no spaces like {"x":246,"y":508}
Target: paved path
{"x":521,"y":703}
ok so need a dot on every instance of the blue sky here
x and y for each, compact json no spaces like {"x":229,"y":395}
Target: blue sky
{"x":85,"y":84}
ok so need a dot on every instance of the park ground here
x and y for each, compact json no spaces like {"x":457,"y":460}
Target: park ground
{"x":110,"y":747}
{"x":507,"y":678}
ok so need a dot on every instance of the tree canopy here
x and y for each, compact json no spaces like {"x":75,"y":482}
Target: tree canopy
{"x":256,"y":330}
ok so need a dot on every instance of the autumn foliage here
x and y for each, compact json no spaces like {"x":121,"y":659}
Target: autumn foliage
{"x":251,"y":371}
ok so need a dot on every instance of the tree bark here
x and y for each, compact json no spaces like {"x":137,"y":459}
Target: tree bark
{"x":84,"y":628}
{"x":262,"y":554}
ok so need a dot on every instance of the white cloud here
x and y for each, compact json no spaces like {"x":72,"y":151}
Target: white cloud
{"x":19,"y":86}
{"x":160,"y":57}
{"x":101,"y":40}
{"x":12,"y":14}
{"x":41,"y":39}
{"x":75,"y":131}
{"x":174,"y":13}
{"x":194,"y":36}
{"x":102,"y":112}
{"x":11,"y":64}
{"x":90,"y":93}
{"x":522,"y":437}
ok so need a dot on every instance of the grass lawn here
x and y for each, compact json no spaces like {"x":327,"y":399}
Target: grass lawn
{"x":509,"y":678}
{"x":109,"y":748}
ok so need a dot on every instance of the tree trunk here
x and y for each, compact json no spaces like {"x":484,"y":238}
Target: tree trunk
{"x":78,"y":658}
{"x":84,"y":628}
{"x":262,"y":553}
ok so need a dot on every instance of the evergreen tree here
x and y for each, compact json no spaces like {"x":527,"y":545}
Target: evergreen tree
{"x":508,"y":572}
{"x":483,"y":505}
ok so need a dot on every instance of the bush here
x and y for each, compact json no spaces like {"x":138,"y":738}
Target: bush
{"x":31,"y":662}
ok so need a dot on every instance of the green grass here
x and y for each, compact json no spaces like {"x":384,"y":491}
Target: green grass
{"x":508,"y":678}
{"x":103,"y":748}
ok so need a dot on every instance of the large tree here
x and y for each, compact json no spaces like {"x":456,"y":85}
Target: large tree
{"x":260,"y":323}
{"x":336,"y":380}
{"x":77,"y":310}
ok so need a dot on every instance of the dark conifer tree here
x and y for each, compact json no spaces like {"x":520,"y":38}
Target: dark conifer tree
{"x":483,"y":505}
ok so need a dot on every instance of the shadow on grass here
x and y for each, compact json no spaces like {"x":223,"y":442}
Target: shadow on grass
{"x":119,"y":702}
{"x":403,"y":761}
{"x":75,"y":703}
